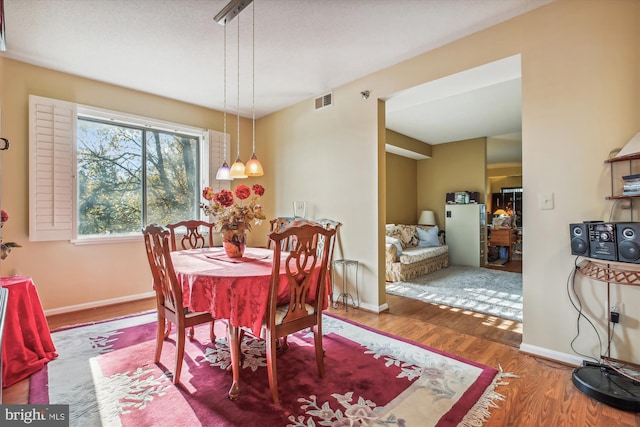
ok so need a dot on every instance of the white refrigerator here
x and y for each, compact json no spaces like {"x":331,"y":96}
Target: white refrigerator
{"x":466,"y":234}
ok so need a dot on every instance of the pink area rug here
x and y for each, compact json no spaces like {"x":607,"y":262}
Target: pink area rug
{"x":105,"y":372}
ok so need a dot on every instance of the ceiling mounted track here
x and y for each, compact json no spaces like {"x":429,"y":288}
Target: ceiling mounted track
{"x":231,"y":10}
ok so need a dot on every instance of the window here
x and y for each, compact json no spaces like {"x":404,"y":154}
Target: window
{"x":102,"y":175}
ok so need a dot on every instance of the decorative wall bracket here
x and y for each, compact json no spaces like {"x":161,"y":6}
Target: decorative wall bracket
{"x":4,"y":144}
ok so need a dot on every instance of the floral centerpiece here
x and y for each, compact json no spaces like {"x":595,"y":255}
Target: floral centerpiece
{"x":234,"y":217}
{"x":5,"y":247}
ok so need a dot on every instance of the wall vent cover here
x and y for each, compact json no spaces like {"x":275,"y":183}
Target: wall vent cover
{"x":324,"y":101}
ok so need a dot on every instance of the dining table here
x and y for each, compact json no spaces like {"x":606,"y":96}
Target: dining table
{"x":234,"y":289}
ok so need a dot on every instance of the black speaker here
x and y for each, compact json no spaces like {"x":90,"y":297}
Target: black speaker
{"x":579,"y":234}
{"x":628,"y":234}
{"x":451,"y":198}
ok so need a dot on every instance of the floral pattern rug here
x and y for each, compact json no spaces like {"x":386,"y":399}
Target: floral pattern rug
{"x":105,"y":372}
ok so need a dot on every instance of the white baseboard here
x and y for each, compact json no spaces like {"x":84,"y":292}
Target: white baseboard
{"x":102,"y":303}
{"x":374,"y":308}
{"x":569,"y":359}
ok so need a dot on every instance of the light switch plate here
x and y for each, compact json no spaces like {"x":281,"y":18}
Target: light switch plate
{"x":545,"y":201}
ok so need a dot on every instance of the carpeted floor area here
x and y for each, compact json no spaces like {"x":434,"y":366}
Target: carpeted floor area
{"x":105,"y":373}
{"x":483,"y":290}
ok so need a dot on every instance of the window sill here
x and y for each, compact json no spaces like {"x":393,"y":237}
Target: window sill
{"x":99,"y":240}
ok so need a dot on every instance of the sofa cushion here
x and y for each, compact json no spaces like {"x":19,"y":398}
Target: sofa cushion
{"x":413,"y":255}
{"x":428,"y":238}
{"x":396,"y":242}
{"x":407,"y":235}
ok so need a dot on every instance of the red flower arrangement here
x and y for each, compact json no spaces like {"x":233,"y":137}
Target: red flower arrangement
{"x":5,"y":247}
{"x":230,"y":214}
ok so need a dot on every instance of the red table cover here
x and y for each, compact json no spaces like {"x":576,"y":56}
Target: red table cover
{"x":26,"y":344}
{"x":233,"y":289}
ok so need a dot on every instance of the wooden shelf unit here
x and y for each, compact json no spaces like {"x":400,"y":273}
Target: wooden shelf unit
{"x":616,"y":175}
{"x":618,"y":273}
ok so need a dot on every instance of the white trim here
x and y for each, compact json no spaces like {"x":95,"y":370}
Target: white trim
{"x":373,"y":308}
{"x":97,"y":113}
{"x":98,"y":240}
{"x":569,"y":359}
{"x":102,"y":303}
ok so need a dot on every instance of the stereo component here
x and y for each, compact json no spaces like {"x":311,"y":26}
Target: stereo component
{"x":602,"y":241}
{"x":579,"y":235}
{"x":628,"y":238}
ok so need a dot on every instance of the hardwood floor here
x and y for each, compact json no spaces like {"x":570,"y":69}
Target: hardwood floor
{"x":542,"y":395}
{"x":512,"y":266}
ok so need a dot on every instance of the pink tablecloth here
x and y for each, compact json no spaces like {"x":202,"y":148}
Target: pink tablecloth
{"x":236,"y":290}
{"x":27,"y":344}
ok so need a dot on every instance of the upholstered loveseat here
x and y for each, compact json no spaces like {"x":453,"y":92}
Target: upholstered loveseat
{"x":414,"y":250}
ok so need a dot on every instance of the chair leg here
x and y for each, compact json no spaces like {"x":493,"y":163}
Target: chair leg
{"x":271,"y":367}
{"x":160,"y":336}
{"x":212,"y":333}
{"x":317,"y":337}
{"x":180,"y":339}
{"x":192,"y":332}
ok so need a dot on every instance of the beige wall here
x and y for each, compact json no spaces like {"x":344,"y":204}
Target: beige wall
{"x":78,"y":275}
{"x":455,"y":166}
{"x":580,"y":99}
{"x":496,"y":183}
{"x":402,"y":189}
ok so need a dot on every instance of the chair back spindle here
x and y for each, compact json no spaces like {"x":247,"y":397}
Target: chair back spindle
{"x":193,"y":237}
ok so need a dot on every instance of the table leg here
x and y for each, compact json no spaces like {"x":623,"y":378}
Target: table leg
{"x":234,"y":348}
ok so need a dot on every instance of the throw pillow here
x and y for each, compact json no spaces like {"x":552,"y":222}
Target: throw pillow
{"x":396,"y":243}
{"x":428,"y":238}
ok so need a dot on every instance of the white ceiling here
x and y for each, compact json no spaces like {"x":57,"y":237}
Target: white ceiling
{"x":481,"y":102}
{"x":303,"y":48}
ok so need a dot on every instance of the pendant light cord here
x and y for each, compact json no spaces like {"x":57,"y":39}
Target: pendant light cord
{"x":224,"y":91}
{"x":253,"y":78}
{"x":238,"y":100}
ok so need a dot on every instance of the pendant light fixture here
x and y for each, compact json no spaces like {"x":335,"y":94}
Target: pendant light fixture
{"x":237,"y":168}
{"x":253,"y":167}
{"x":224,"y":170}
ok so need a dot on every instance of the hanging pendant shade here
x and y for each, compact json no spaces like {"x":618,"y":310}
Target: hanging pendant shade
{"x":237,"y":169}
{"x":253,"y":167}
{"x":224,"y":172}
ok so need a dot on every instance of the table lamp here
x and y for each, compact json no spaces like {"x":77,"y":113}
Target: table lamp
{"x":427,"y":218}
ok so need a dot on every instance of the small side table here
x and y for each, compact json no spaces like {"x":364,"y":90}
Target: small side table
{"x":346,"y":296}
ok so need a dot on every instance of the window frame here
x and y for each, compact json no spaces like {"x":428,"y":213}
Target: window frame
{"x":46,"y":222}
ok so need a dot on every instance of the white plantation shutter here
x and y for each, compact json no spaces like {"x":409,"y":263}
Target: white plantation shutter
{"x":52,"y":128}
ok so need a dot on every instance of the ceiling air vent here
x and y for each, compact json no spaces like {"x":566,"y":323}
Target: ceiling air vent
{"x":324,"y":101}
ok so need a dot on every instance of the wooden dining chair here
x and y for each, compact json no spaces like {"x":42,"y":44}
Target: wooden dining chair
{"x":306,"y":268}
{"x":169,"y":295}
{"x":193,"y":237}
{"x":277,"y":225}
{"x":330,"y":225}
